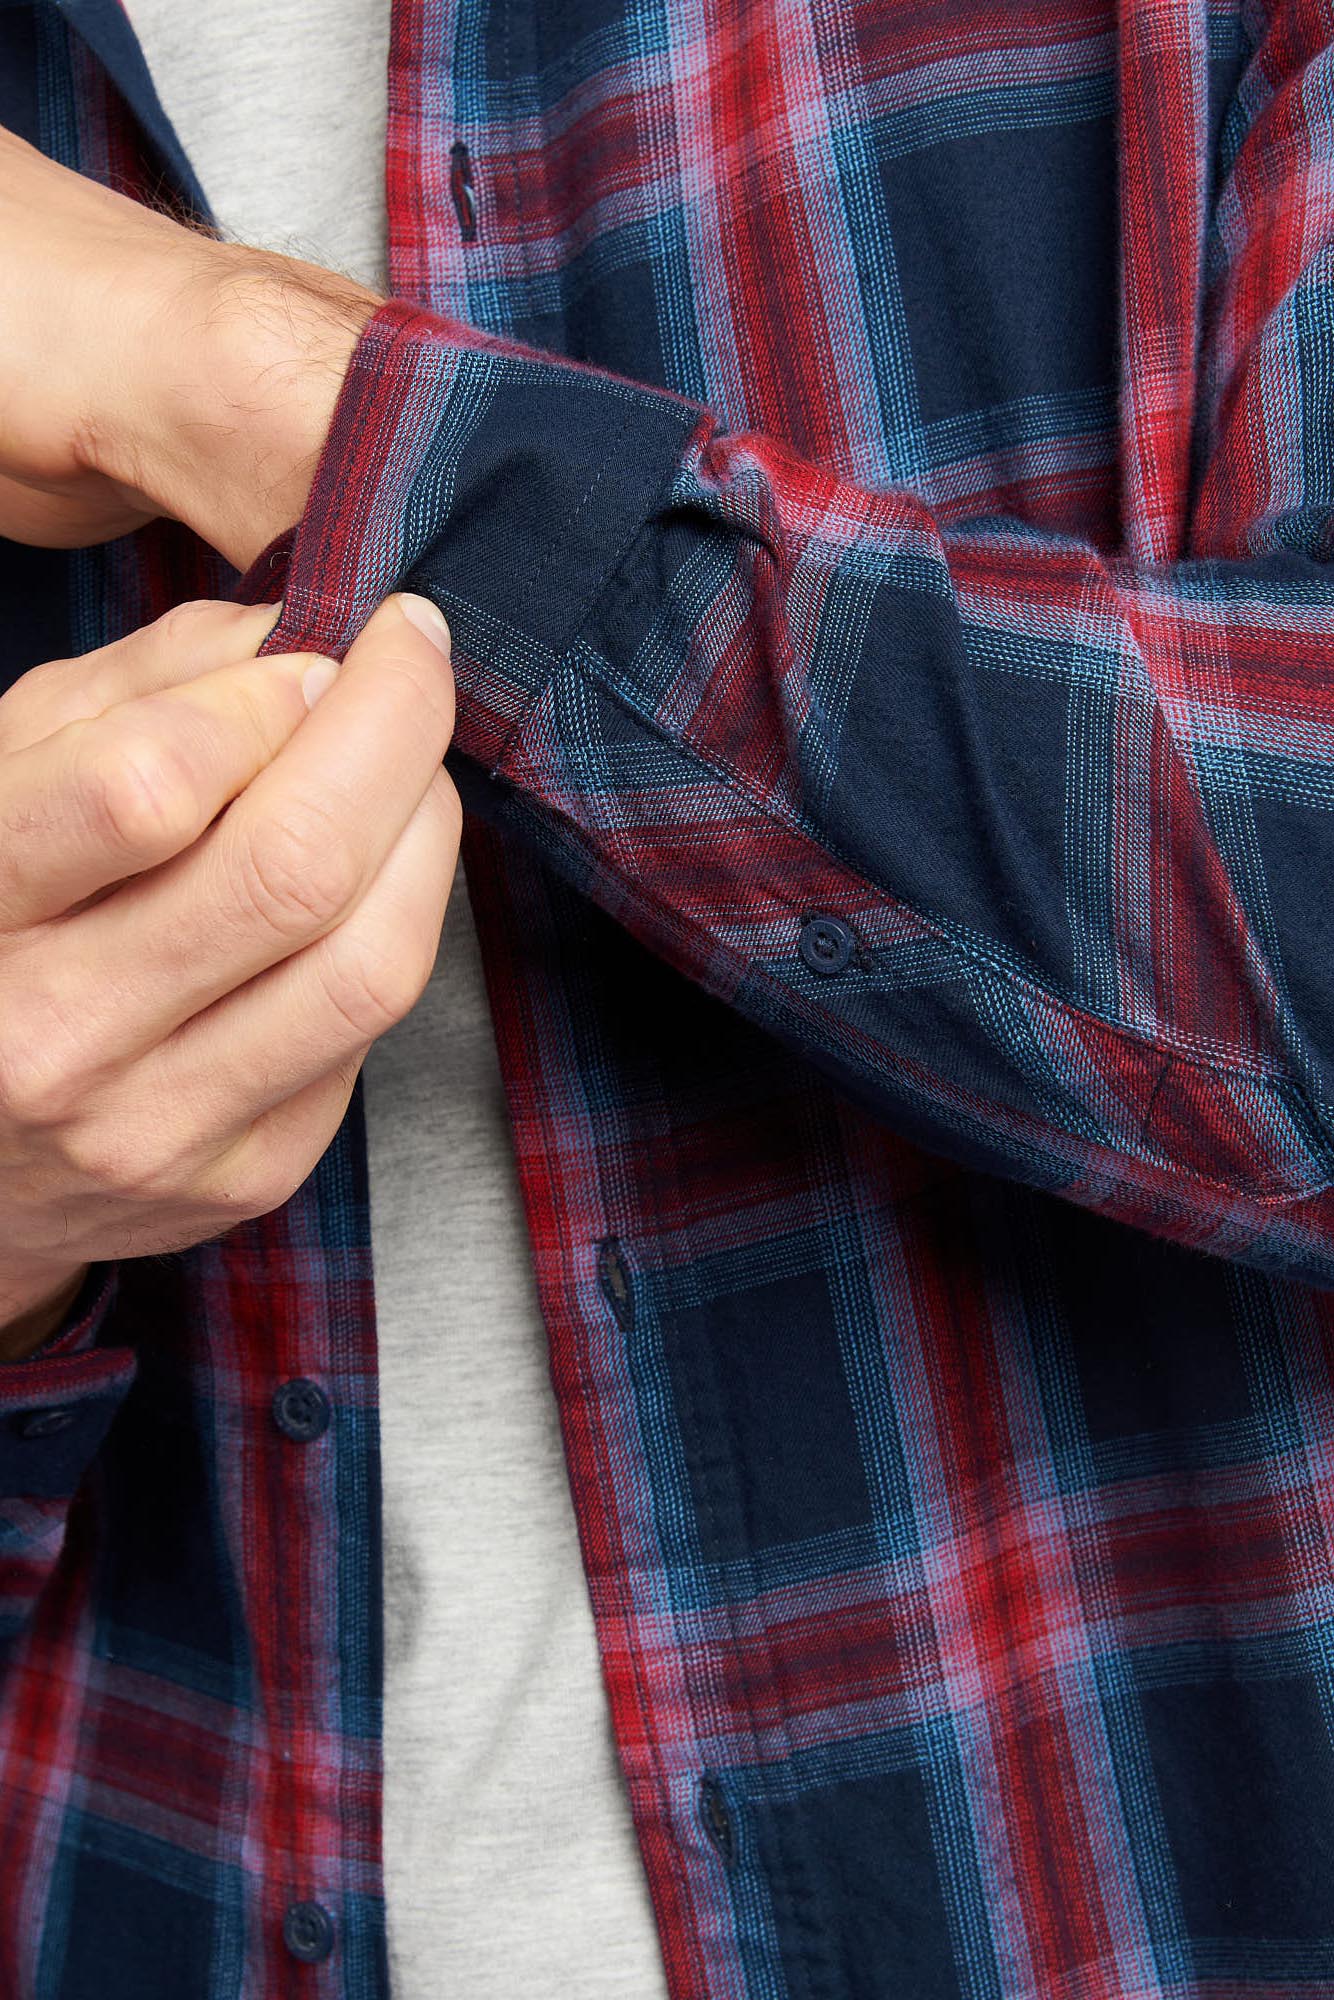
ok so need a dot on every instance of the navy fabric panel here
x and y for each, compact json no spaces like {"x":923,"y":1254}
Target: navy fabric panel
{"x":345,"y":1168}
{"x":34,"y":589}
{"x":922,"y":721}
{"x":135,"y":1933}
{"x":763,"y":1404}
{"x":18,"y":69}
{"x":167,"y":1581}
{"x":559,"y":28}
{"x":611,"y":314}
{"x":50,"y":1467}
{"x":526,"y":489}
{"x":1153,"y":1330}
{"x":862,"y":1915}
{"x":1245,"y":1775}
{"x":1288,"y":829}
{"x":1005,"y":247}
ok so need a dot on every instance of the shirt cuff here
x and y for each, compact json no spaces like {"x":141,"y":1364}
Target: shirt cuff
{"x":57,"y":1404}
{"x":504,"y":484}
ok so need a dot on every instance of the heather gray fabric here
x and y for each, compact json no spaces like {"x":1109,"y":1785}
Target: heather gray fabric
{"x":511,"y":1867}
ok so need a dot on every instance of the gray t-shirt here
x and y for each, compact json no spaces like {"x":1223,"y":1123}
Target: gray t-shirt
{"x":511,"y":1867}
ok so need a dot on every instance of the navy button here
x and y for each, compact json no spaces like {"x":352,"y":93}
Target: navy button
{"x":44,"y":1423}
{"x":826,"y":943}
{"x":717,"y":1819}
{"x":308,"y":1932}
{"x":614,"y":1278}
{"x":301,"y":1410}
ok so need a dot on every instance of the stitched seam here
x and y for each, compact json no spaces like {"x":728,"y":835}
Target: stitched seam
{"x":1202,"y":1054}
{"x":639,"y":893}
{"x":1187,"y":1048}
{"x":560,"y":650}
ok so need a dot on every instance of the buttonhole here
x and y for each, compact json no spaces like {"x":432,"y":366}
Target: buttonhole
{"x":614,"y":1278}
{"x":717,"y":1819}
{"x":462,"y":192}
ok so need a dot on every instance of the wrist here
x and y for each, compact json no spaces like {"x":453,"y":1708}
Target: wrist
{"x":235,"y":380}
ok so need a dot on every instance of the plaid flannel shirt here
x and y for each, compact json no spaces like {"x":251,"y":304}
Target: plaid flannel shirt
{"x":896,"y":721}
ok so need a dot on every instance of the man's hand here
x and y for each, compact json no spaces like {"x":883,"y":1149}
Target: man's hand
{"x":147,"y":368}
{"x":212,"y":902}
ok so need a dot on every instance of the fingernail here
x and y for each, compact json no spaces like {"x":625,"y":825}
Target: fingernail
{"x":318,"y":679}
{"x":420,"y":611}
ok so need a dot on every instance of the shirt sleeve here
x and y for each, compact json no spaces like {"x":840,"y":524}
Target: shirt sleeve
{"x":56,"y":1407}
{"x":1028,"y":846}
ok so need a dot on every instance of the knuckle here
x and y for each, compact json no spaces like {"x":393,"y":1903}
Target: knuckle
{"x":420,"y":687}
{"x":271,"y":1187}
{"x":41,"y":1082}
{"x":298,"y":870}
{"x":372,"y":984}
{"x":33,"y":1092}
{"x":179,"y":628}
{"x":35,"y":683}
{"x":110,"y":1158}
{"x":135,"y":791}
{"x":346,"y":1071}
{"x":265,"y":707}
{"x":285,"y":1147}
{"x":42,"y":700}
{"x":267,"y":1180}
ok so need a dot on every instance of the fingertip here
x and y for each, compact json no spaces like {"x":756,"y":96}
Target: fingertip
{"x":317,"y":679}
{"x":427,"y":617}
{"x":268,"y":617}
{"x":254,"y":623}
